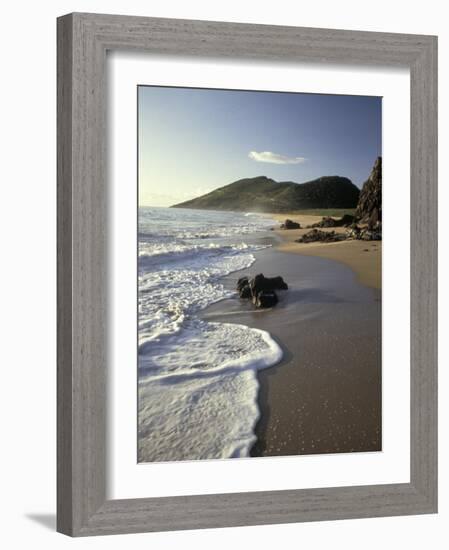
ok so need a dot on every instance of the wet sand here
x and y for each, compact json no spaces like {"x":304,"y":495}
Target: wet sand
{"x":325,"y":394}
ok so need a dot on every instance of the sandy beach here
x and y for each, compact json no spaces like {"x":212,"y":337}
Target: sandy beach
{"x":325,"y":394}
{"x":364,"y":258}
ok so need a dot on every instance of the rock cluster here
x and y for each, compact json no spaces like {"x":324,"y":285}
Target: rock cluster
{"x":344,"y":221}
{"x":315,"y":235}
{"x":366,"y":225}
{"x":365,"y":233}
{"x":369,"y":207}
{"x":261,"y":290}
{"x":289,"y":224}
{"x":353,"y":233}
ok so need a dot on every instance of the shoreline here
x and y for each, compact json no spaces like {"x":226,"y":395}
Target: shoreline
{"x":324,"y":396}
{"x":363,"y":257}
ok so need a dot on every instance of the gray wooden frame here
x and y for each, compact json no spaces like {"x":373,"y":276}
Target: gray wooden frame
{"x":83,"y":40}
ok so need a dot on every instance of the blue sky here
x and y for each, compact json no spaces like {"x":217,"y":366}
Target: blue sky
{"x":192,"y":141}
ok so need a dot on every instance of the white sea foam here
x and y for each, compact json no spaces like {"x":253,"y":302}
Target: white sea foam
{"x":197,"y":381}
{"x":200,"y":400}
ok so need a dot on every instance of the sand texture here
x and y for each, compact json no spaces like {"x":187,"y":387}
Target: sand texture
{"x":325,"y":395}
{"x":364,"y":258}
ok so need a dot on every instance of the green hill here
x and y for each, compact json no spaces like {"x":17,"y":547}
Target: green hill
{"x":262,"y":194}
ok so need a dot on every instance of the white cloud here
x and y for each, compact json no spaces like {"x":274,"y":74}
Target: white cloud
{"x":274,"y":158}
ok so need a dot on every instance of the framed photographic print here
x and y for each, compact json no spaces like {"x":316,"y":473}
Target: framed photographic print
{"x":244,"y":336}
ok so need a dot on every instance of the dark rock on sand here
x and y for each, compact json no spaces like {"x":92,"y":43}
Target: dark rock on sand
{"x":373,"y":234}
{"x":261,"y":283}
{"x":245,"y":292}
{"x":324,"y":222}
{"x":260,"y":289}
{"x":243,"y":287}
{"x":344,"y":221}
{"x":321,"y":236}
{"x":365,"y":233}
{"x":289,"y":224}
{"x":265,"y":298}
{"x":243,"y":281}
{"x":353,"y":232}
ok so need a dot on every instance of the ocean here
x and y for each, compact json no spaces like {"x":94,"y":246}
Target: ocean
{"x":197,"y":383}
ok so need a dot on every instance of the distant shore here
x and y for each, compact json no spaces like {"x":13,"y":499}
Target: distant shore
{"x":325,"y":394}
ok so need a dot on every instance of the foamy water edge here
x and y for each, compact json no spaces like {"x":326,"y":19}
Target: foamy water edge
{"x":198,"y":387}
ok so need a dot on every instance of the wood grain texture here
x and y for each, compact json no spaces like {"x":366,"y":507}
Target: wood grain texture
{"x":83,"y":40}
{"x":424,"y":252}
{"x":64,"y":277}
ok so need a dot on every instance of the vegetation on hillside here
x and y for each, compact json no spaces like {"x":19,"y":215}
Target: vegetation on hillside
{"x":262,"y":194}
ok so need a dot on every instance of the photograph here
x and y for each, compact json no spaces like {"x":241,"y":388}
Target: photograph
{"x":259,"y":274}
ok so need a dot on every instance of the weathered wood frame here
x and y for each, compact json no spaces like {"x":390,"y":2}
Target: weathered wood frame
{"x":83,"y":40}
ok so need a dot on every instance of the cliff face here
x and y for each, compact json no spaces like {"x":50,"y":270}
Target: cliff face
{"x":262,"y":194}
{"x":369,"y":208}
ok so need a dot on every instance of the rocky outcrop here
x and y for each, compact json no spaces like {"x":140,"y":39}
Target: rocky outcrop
{"x":260,"y":283}
{"x":354,"y":233}
{"x":321,"y":236}
{"x":261,"y":290}
{"x":265,"y":298}
{"x":344,"y":221}
{"x":367,"y":234}
{"x":289,"y":224}
{"x":243,"y":287}
{"x":366,"y":225}
{"x":369,"y":207}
